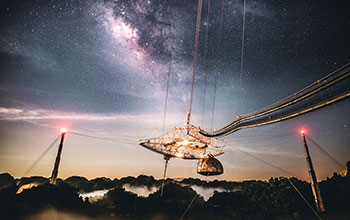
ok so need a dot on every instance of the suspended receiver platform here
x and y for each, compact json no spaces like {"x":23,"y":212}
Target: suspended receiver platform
{"x":186,"y":142}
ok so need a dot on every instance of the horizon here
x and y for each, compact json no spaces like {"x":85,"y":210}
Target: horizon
{"x":176,"y":178}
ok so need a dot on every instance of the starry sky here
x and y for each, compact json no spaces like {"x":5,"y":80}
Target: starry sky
{"x":101,"y":67}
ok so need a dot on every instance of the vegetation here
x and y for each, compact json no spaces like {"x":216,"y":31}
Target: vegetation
{"x":272,"y":199}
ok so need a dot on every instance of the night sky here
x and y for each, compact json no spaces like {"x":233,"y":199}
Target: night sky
{"x":100,"y":68}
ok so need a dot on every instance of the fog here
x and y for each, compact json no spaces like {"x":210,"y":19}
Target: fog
{"x":142,"y":191}
{"x":54,"y":214}
{"x":207,"y":192}
{"x":95,"y":195}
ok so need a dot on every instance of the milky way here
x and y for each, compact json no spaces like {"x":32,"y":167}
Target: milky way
{"x":102,"y":67}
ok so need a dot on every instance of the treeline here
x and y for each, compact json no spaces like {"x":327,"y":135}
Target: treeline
{"x":272,"y":199}
{"x":84,"y":185}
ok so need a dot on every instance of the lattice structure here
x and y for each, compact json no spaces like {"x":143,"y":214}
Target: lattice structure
{"x":183,"y":142}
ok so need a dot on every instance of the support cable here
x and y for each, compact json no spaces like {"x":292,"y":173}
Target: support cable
{"x":301,"y":195}
{"x":265,"y":162}
{"x":242,"y":60}
{"x":189,"y":206}
{"x":199,"y":13}
{"x":165,"y":169}
{"x":216,"y":72}
{"x":172,"y":28}
{"x":305,"y":108}
{"x":256,"y":140}
{"x":334,"y":77}
{"x":279,"y":168}
{"x":41,"y":156}
{"x":326,"y":154}
{"x":306,"y":100}
{"x":206,"y":62}
{"x":104,"y":138}
{"x":192,"y":201}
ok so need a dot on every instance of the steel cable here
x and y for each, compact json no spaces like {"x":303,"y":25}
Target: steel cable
{"x":41,"y":156}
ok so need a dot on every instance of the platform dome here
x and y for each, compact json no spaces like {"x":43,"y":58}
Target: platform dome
{"x":209,"y":167}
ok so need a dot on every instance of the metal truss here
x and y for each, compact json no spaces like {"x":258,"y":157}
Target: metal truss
{"x":183,"y":142}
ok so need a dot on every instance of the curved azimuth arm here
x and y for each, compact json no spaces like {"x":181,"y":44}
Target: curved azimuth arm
{"x":332,"y":88}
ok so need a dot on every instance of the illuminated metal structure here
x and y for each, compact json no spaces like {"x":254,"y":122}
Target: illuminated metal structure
{"x":54,"y":174}
{"x":314,"y":184}
{"x":186,"y":142}
{"x":325,"y":91}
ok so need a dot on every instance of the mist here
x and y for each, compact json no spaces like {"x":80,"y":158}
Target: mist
{"x":95,"y":195}
{"x":208,"y":192}
{"x":54,"y":214}
{"x":142,"y":191}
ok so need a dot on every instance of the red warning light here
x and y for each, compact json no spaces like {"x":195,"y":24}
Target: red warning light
{"x":63,"y":130}
{"x":302,"y":132}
